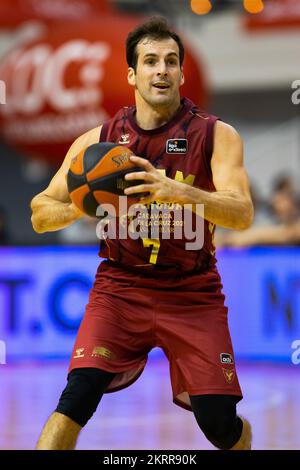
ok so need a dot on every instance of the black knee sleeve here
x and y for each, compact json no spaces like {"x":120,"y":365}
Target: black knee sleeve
{"x":217,"y":418}
{"x":84,"y":390}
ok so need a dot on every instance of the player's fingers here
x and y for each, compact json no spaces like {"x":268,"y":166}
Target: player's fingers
{"x":140,"y":175}
{"x":142,"y":162}
{"x":138,"y":189}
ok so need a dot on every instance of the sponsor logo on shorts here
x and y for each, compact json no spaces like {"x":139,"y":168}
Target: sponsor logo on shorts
{"x":226,"y":358}
{"x":176,"y":145}
{"x":78,"y":353}
{"x":100,"y":351}
{"x":229,"y":375}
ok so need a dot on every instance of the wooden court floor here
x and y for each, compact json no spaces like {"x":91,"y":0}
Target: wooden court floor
{"x":143,"y":415}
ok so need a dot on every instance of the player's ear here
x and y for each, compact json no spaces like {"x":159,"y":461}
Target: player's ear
{"x":131,"y":76}
{"x":182,"y":78}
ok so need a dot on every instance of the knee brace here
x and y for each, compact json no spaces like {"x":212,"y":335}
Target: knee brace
{"x":217,"y":419}
{"x":84,"y":390}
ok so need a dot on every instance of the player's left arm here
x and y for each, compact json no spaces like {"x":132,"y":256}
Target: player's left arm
{"x":229,"y":206}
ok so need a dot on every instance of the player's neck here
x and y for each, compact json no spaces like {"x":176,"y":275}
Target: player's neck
{"x":149,"y":118}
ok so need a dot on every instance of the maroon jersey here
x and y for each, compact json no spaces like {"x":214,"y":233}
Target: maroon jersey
{"x":181,"y":149}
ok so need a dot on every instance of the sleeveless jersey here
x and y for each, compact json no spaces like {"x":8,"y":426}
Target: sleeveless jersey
{"x":182,"y":149}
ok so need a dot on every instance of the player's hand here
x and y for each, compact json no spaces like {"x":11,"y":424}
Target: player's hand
{"x":77,"y":212}
{"x":160,"y":187}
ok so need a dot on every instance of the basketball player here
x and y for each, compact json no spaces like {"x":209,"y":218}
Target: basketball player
{"x":147,"y":292}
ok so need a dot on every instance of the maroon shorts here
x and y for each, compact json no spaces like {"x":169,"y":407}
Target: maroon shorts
{"x":128,"y":314}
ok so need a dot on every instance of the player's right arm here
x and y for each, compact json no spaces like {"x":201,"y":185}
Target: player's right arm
{"x":52,"y":209}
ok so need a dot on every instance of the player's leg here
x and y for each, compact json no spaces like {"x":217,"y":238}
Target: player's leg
{"x":217,"y":418}
{"x":59,"y":433}
{"x":77,"y":403}
{"x":245,"y":441}
{"x":116,"y":333}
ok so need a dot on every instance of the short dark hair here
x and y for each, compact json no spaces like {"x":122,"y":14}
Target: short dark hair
{"x":155,"y":28}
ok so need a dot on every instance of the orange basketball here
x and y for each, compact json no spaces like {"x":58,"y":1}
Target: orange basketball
{"x":96,"y":176}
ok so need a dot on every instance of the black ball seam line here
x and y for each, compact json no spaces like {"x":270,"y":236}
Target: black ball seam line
{"x":75,"y":175}
{"x":101,"y":149}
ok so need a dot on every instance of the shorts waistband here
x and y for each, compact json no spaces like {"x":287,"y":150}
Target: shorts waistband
{"x":171,"y":270}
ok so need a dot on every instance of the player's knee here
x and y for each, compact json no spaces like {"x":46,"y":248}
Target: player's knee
{"x":216,"y":417}
{"x":84,"y":390}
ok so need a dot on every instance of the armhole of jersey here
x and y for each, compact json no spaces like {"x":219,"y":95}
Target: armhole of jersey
{"x":104,"y":132}
{"x":209,"y":145}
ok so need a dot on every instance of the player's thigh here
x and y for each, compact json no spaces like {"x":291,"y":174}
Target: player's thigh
{"x":115,"y":334}
{"x":197,"y":342}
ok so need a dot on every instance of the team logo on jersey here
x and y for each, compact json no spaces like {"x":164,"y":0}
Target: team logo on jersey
{"x":78,"y":353}
{"x":229,"y":375}
{"x":226,"y":358}
{"x":124,"y":139}
{"x":176,"y":146}
{"x":100,"y":351}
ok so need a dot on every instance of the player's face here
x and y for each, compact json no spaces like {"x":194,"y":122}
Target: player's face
{"x":158,"y":74}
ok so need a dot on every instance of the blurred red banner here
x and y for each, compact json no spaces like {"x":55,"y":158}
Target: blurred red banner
{"x":276,"y":14}
{"x":14,"y":12}
{"x":72,"y":79}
